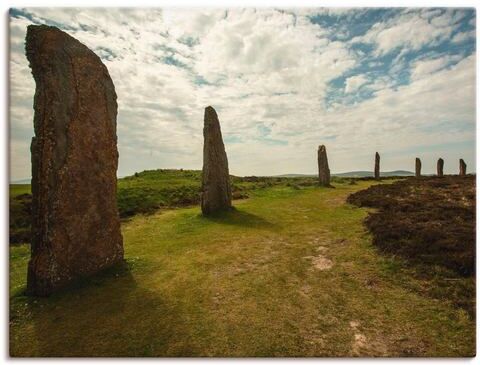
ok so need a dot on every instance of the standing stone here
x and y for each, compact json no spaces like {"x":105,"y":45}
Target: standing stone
{"x":377,"y":166}
{"x":323,"y":170}
{"x":75,"y":222}
{"x":463,"y":167}
{"x":440,"y":167}
{"x":216,"y":190}
{"x":418,"y":167}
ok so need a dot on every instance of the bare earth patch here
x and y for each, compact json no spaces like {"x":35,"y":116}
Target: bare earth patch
{"x":362,"y":345}
{"x":320,"y":262}
{"x":359,"y":339}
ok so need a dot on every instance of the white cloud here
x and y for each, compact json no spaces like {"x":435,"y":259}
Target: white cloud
{"x":463,"y":36}
{"x":412,"y":30}
{"x":258,"y":67}
{"x":353,"y":83}
{"x":422,"y":68}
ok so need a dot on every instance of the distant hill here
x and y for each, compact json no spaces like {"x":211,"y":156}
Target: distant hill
{"x":342,"y":174}
{"x":370,"y":173}
{"x":23,"y":181}
{"x":356,"y":174}
{"x":295,"y":175}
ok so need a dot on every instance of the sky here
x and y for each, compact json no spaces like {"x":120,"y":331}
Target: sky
{"x":283,"y":81}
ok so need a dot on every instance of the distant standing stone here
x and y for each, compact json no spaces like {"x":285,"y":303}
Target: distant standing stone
{"x":418,"y":167}
{"x":463,"y":167}
{"x":377,"y":166}
{"x":440,"y":167}
{"x":216,"y":190}
{"x":323,"y":170}
{"x":75,"y":222}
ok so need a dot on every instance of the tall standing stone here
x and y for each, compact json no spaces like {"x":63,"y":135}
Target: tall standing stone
{"x":216,"y":190}
{"x":75,"y":222}
{"x":463,"y":167}
{"x":377,"y":166}
{"x":418,"y":167}
{"x":440,"y":167}
{"x":323,"y":170}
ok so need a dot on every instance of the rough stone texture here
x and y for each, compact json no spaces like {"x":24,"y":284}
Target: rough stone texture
{"x":440,"y":167}
{"x":323,"y":170}
{"x":463,"y":168}
{"x":377,"y":166}
{"x":75,"y":222}
{"x":216,"y":190}
{"x":418,"y":167}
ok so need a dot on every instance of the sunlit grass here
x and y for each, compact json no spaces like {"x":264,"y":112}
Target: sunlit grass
{"x":243,"y":284}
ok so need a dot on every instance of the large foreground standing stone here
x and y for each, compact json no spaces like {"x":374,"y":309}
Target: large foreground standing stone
{"x":418,"y":167}
{"x":440,"y":167}
{"x":323,"y":170}
{"x":463,"y":167}
{"x":377,"y":166}
{"x":75,"y":222}
{"x":216,"y":190}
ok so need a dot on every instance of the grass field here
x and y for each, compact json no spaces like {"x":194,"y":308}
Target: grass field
{"x":148,"y":191}
{"x":291,"y":272}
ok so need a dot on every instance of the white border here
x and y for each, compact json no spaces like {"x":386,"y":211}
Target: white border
{"x":4,"y":145}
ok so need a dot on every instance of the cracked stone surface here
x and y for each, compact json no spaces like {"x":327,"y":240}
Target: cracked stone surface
{"x":418,"y":167}
{"x":440,"y":167}
{"x":75,"y":222}
{"x":463,"y":168}
{"x":323,"y":169}
{"x":216,"y":189}
{"x":377,"y":166}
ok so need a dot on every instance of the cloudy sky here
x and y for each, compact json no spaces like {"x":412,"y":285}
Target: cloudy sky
{"x":283,"y":81}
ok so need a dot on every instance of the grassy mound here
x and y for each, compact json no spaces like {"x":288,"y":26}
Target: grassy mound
{"x":146,"y":192}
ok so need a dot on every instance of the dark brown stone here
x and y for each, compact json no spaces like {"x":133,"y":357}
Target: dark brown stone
{"x":440,"y":167}
{"x":75,"y":222}
{"x":216,"y":190}
{"x":418,"y":167}
{"x":377,"y":166}
{"x":323,"y":170}
{"x":463,"y":168}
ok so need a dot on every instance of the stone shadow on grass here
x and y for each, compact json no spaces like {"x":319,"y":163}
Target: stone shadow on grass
{"x":106,"y":315}
{"x":236,"y":217}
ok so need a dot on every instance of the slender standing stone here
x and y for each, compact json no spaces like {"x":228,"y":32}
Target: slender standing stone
{"x":323,"y":170}
{"x":216,"y":190}
{"x":440,"y":167}
{"x":377,"y":166}
{"x":418,"y":167}
{"x":75,"y":222}
{"x":463,"y":167}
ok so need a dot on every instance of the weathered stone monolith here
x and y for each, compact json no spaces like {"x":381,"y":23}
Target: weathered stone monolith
{"x":323,"y":170}
{"x":463,"y":168}
{"x":440,"y":167}
{"x":75,"y":222}
{"x":418,"y":167}
{"x":216,"y":190}
{"x":377,"y":166}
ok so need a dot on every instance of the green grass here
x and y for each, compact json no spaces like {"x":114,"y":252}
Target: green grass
{"x":19,"y":220}
{"x":148,"y":191}
{"x":243,"y":284}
